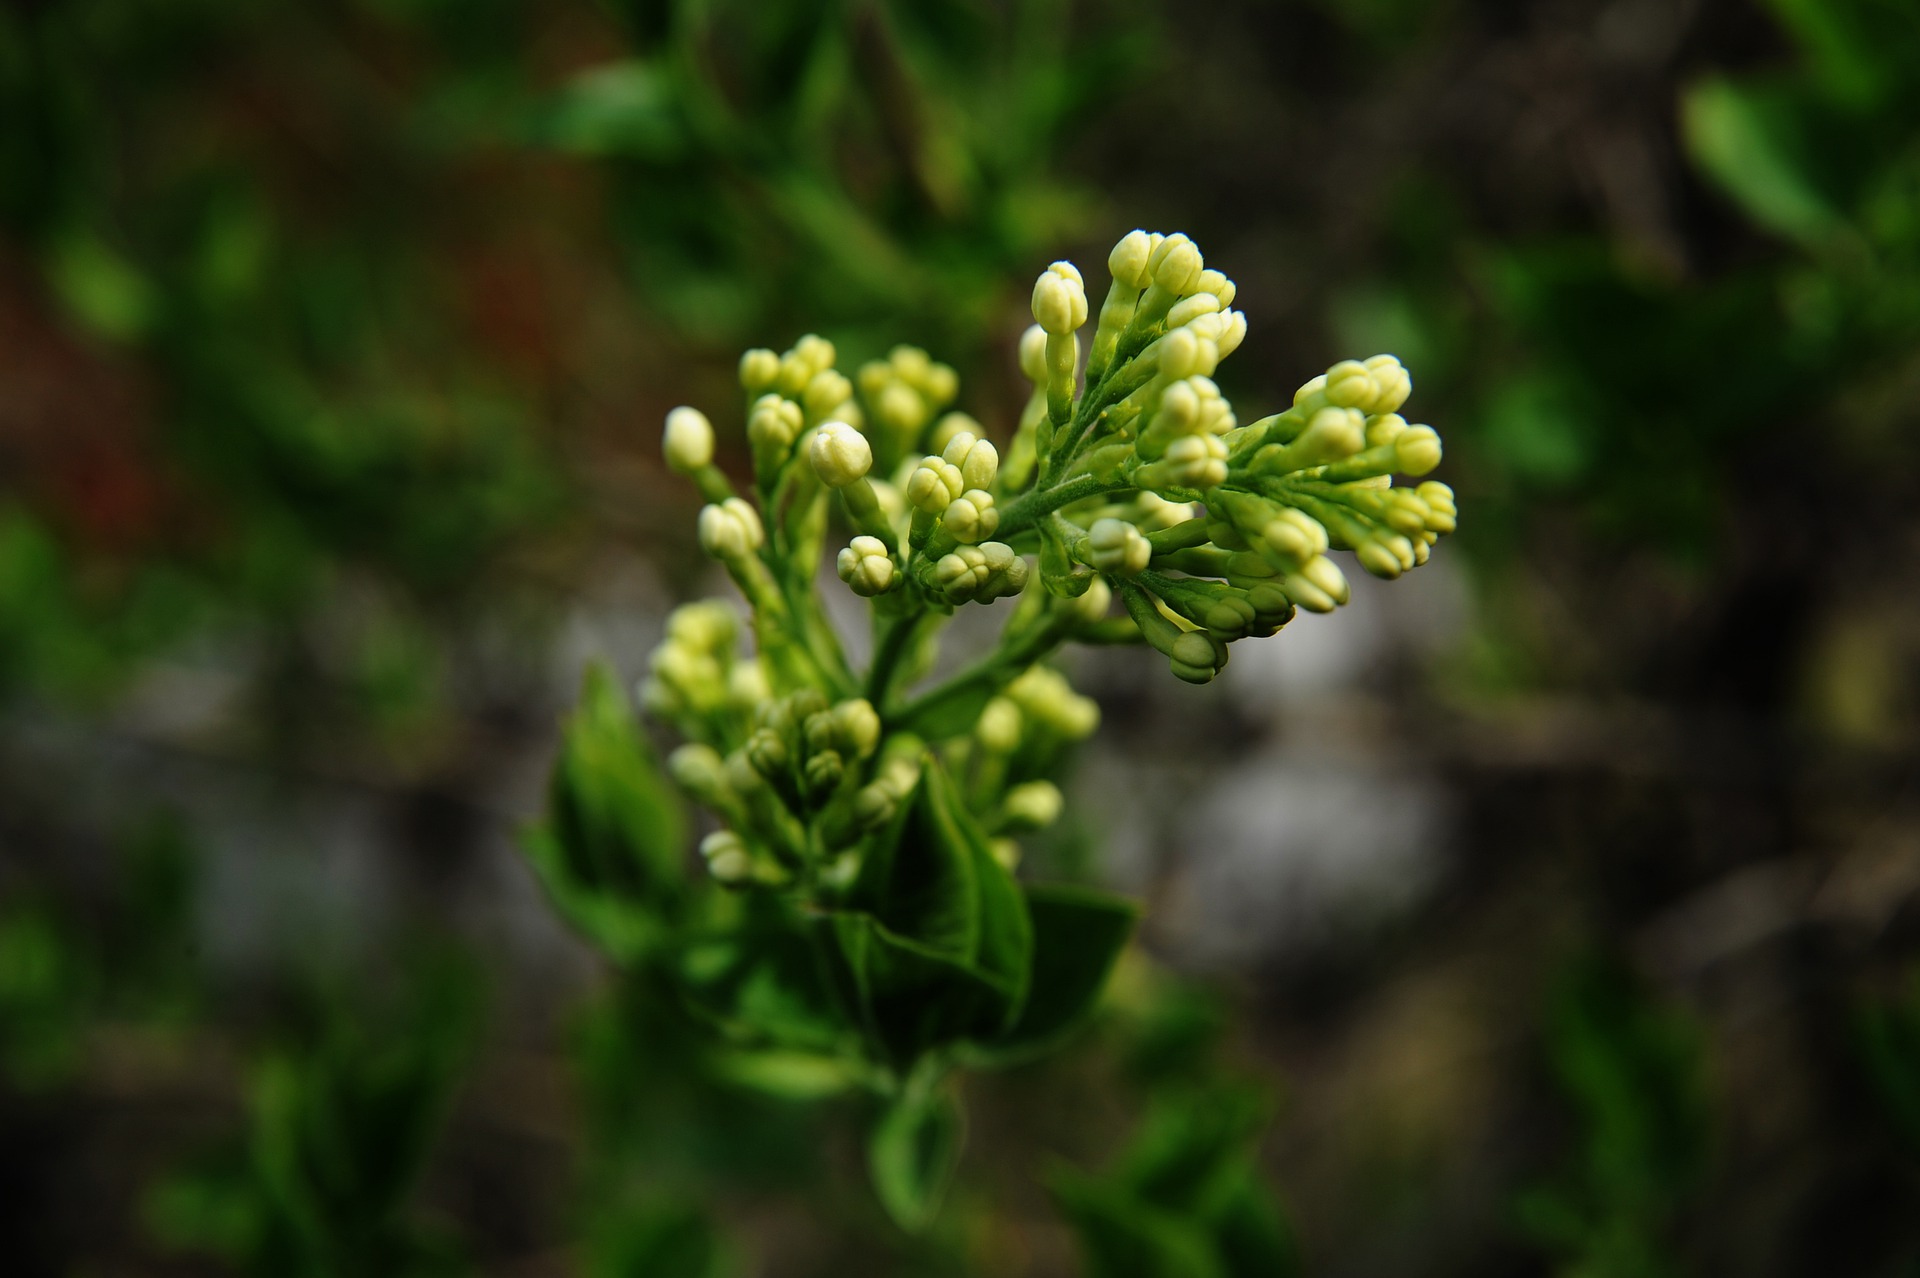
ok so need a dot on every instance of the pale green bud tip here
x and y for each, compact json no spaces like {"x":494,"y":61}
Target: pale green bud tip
{"x":1197,"y":658}
{"x":840,"y":454}
{"x":971,"y":518}
{"x":1116,"y":546}
{"x":1095,"y":603}
{"x":1416,"y":450}
{"x":1059,"y":299}
{"x":857,"y":725}
{"x":1176,"y":265}
{"x":698,"y":768}
{"x":688,"y":440}
{"x":999,"y":726}
{"x":1034,"y":805}
{"x":731,"y":529}
{"x":1128,"y":261}
{"x":1033,"y":354}
{"x":759,"y":370}
{"x":727,"y":857}
{"x":866,"y":567}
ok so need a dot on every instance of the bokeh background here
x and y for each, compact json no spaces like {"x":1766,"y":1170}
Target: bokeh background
{"x":1556,"y":905}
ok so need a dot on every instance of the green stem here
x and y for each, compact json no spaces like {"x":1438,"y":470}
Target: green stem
{"x":1027,"y":510}
{"x":962,"y":698}
{"x":894,"y":637}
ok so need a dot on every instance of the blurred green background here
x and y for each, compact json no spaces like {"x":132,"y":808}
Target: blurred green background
{"x":1554,"y":913}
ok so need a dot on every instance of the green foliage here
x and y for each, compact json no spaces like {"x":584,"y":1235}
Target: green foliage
{"x":1185,"y":1200}
{"x":341,"y":1122}
{"x":1632,"y":1073}
{"x":875,"y":159}
{"x":1889,"y":1041}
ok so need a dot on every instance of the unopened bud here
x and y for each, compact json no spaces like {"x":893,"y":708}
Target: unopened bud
{"x":840,"y":454}
{"x":867,"y":567}
{"x":688,"y":440}
{"x":1116,"y":546}
{"x":1034,"y":805}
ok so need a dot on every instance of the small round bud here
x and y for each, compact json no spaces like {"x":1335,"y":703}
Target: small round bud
{"x":815,"y":352}
{"x":940,"y":384}
{"x":1189,"y":309}
{"x":1196,"y":658}
{"x":730,"y":530}
{"x":1392,"y":381}
{"x":840,"y":454}
{"x":971,"y":518}
{"x":1176,"y":265}
{"x":699,"y":769}
{"x":824,"y":771}
{"x":1116,"y":546}
{"x":1033,"y":354}
{"x":948,"y":428}
{"x":981,"y":465}
{"x":1127,"y":263}
{"x":1033,"y":806}
{"x":759,"y":370}
{"x":933,"y":485}
{"x":688,"y":440}
{"x":1059,"y":299}
{"x":747,"y":685}
{"x":1216,"y":283}
{"x":866,"y":567}
{"x":1377,"y":559}
{"x":1232,"y":333}
{"x":727,"y":857}
{"x":857,"y":724}
{"x":999,"y":726}
{"x":1179,"y":354}
{"x":1416,"y":450}
{"x":826,"y":392}
{"x":1350,"y":385}
{"x":1094,"y":603}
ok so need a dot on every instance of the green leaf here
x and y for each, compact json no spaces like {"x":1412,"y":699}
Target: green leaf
{"x":624,"y":109}
{"x":1252,"y":1236}
{"x":912,"y":1154}
{"x":910,"y":998}
{"x":1122,"y":1237}
{"x":941,"y":947}
{"x":616,"y":827}
{"x":658,"y":1242}
{"x":925,"y":885}
{"x":1078,"y":934}
{"x":1195,"y":1149}
{"x":1745,"y":137}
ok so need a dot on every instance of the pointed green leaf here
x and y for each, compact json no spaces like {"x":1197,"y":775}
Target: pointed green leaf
{"x":1746,"y":140}
{"x":1078,"y":934}
{"x":912,"y":1154}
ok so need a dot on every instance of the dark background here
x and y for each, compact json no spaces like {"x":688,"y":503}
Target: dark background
{"x":1563,"y":894}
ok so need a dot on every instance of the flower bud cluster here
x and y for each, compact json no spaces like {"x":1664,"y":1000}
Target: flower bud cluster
{"x":903,"y":393}
{"x":1128,"y":480}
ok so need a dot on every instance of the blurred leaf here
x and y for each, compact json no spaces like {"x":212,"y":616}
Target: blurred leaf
{"x":622,"y":109}
{"x":1745,"y":137}
{"x":101,"y":288}
{"x":1078,"y":934}
{"x":912,"y":1155}
{"x":612,"y":851}
{"x":660,"y":1242}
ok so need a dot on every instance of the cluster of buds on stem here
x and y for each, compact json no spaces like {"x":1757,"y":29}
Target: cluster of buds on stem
{"x":1130,"y":505}
{"x":871,"y":823}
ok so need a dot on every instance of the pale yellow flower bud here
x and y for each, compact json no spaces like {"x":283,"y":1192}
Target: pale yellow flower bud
{"x":840,"y":454}
{"x":688,"y":440}
{"x":867,"y":567}
{"x":1127,"y":263}
{"x":731,"y":530}
{"x":1116,"y":546}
